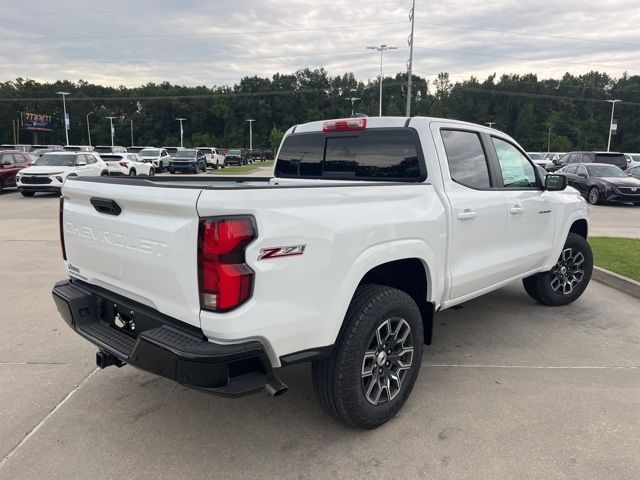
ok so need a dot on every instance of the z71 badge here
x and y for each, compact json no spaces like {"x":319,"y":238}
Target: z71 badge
{"x":277,"y":252}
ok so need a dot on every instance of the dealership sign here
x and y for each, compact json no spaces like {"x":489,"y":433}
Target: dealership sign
{"x":36,"y":122}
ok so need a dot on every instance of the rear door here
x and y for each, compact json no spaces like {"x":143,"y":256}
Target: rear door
{"x":9,"y":168}
{"x":478,"y":222}
{"x":144,"y":249}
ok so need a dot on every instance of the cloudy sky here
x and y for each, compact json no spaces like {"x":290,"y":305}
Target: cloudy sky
{"x":218,"y":42}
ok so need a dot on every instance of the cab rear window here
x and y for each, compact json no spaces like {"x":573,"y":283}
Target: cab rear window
{"x":384,"y":154}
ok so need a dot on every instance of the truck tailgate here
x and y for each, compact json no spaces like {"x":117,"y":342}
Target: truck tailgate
{"x":147,"y":252}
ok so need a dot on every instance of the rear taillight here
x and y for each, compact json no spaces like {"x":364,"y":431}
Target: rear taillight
{"x":61,"y":224}
{"x":225,"y":280}
{"x":345,"y":125}
{"x":124,"y":164}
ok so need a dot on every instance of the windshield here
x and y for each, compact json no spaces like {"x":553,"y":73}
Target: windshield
{"x":536,"y":156}
{"x":234,"y":153}
{"x":185,"y":154}
{"x":149,"y":153}
{"x":604,"y":171}
{"x":49,"y":159}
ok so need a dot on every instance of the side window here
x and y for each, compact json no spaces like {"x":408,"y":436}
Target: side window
{"x":582,"y":171}
{"x":466,"y":158}
{"x":587,"y":158}
{"x":7,"y":157}
{"x":569,"y":169}
{"x":133,"y":157}
{"x":90,"y":159}
{"x":575,"y":158}
{"x":517,"y":170}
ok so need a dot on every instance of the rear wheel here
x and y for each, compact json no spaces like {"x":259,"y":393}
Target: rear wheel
{"x":160,"y":167}
{"x":103,"y":174}
{"x":132,"y":172}
{"x":568,"y":279}
{"x":594,"y":196}
{"x":27,"y":194}
{"x":374,"y":365}
{"x":152,"y":172}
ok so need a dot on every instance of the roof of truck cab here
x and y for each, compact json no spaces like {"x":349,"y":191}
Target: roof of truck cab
{"x":390,"y":122}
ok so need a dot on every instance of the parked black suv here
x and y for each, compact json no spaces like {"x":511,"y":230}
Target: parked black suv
{"x":235,"y":157}
{"x":610,"y":158}
{"x":188,"y":160}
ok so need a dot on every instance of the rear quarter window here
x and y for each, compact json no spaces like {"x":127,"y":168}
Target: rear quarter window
{"x":382,"y":154}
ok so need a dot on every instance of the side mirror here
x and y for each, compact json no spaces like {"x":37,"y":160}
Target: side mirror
{"x":582,"y":174}
{"x":555,"y":183}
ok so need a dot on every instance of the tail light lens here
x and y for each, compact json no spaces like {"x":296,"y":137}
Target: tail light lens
{"x":124,"y":164}
{"x":226,"y":281}
{"x":61,"y":225}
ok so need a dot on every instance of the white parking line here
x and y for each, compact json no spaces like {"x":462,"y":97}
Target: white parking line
{"x":47,"y":417}
{"x":550,"y":367}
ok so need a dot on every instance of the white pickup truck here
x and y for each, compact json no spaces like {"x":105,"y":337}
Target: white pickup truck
{"x":368,"y":227}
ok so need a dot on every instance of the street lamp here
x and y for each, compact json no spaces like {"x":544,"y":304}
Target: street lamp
{"x":89,"y":128}
{"x":181,"y":130}
{"x":613,"y":107}
{"x":490,"y":124}
{"x":381,"y":49}
{"x":250,"y":120}
{"x":353,"y":100}
{"x":66,"y":120}
{"x":111,"y":124}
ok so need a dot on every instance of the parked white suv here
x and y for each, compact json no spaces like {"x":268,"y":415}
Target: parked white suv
{"x":127,"y":164}
{"x":50,"y":171}
{"x":158,"y":156}
{"x":369,"y":227}
{"x":214,"y":158}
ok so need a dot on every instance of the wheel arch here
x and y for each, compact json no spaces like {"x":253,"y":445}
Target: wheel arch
{"x":580,"y":227}
{"x":409,"y":275}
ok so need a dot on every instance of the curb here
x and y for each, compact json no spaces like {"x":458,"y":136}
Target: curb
{"x":614,"y":280}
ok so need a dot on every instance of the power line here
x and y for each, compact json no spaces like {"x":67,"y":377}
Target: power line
{"x":543,"y":35}
{"x":200,"y":61}
{"x":466,"y":52}
{"x":197,"y":35}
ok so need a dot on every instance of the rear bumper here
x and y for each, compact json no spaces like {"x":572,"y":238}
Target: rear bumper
{"x":178,"y":167}
{"x":162,"y":345}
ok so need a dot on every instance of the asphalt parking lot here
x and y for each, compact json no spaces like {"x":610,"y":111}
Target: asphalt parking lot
{"x":509,"y":389}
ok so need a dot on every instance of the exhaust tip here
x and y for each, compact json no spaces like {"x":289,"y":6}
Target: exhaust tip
{"x":275,"y":387}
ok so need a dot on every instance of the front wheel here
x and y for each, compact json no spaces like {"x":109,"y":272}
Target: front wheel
{"x":132,"y":172}
{"x":152,"y":172}
{"x":568,"y":279}
{"x":594,"y":196}
{"x":371,"y":371}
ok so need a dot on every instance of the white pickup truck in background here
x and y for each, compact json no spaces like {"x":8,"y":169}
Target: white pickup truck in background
{"x":368,"y":227}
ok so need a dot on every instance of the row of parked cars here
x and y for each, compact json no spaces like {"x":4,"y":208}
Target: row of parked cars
{"x":44,"y":168}
{"x":599,"y":176}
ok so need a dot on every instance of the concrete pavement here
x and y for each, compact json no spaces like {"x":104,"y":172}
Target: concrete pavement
{"x":509,"y":389}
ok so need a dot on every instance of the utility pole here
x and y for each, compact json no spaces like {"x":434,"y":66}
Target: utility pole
{"x":112,"y":131}
{"x":66,"y":119}
{"x":412,"y":17}
{"x":132,"y":132}
{"x":181,"y":130}
{"x":88,"y":127}
{"x":250,"y":120}
{"x":613,"y":107}
{"x":549,"y":141}
{"x":490,"y":124}
{"x":381,"y":49}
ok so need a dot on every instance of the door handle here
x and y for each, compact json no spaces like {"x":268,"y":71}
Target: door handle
{"x":467,"y":214}
{"x":517,"y":210}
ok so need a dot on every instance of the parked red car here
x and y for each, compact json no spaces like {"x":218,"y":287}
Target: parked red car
{"x":11,"y":162}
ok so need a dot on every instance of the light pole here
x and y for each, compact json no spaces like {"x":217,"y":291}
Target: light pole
{"x":111,"y":125}
{"x":88,"y":127}
{"x":132,"y":132}
{"x":490,"y":124}
{"x":412,"y":17}
{"x":250,"y":120}
{"x":381,"y":49}
{"x":613,"y":108}
{"x":181,"y":130}
{"x":66,"y":120}
{"x":353,"y":100}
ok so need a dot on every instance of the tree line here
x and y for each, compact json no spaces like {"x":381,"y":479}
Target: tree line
{"x":570,"y":113}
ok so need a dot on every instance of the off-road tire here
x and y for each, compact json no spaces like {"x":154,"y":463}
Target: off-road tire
{"x":338,"y":380}
{"x":539,"y":286}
